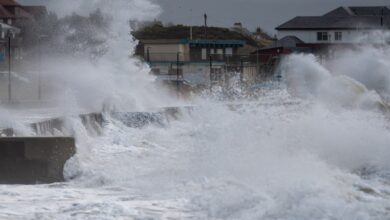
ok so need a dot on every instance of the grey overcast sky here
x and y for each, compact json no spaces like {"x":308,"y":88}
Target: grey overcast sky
{"x":251,"y":13}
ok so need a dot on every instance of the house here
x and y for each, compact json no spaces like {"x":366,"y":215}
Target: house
{"x":186,"y":50}
{"x":11,"y":11}
{"x":186,"y":59}
{"x":284,"y":46}
{"x":343,"y":25}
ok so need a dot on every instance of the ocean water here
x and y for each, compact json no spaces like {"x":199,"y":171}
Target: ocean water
{"x":276,"y":158}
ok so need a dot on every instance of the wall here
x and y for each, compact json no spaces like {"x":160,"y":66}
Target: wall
{"x":166,"y":52}
{"x":31,"y":160}
{"x":310,"y":36}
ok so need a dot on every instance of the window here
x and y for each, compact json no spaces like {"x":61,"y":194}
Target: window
{"x":322,"y":36}
{"x":229,"y":51}
{"x":338,"y":36}
{"x":204,"y":54}
{"x":219,"y":53}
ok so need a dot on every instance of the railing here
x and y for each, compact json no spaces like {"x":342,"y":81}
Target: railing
{"x":198,"y":57}
{"x":214,"y":68}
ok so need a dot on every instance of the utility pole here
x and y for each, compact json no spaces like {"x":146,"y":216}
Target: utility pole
{"x":257,"y":63}
{"x":211,"y":72}
{"x":9,"y":67}
{"x":205,"y":25}
{"x":177,"y":70}
{"x":382,"y":17}
{"x":242,"y":70}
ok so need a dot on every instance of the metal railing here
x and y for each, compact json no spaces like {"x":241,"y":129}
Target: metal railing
{"x":251,"y":66}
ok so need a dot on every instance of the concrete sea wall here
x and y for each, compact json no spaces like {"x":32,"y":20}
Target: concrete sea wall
{"x":30,"y":160}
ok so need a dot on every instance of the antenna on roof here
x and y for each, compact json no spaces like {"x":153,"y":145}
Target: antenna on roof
{"x":205,"y":25}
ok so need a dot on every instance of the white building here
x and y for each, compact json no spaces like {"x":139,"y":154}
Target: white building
{"x":342,"y":25}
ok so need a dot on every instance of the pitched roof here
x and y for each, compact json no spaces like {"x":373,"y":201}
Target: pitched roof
{"x":359,"y":11}
{"x":340,"y":11}
{"x":4,"y":13}
{"x":9,"y":3}
{"x":341,"y":18}
{"x":20,"y":13}
{"x":370,"y":11}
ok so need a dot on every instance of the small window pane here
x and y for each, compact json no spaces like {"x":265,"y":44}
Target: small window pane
{"x":322,"y":36}
{"x":338,"y":36}
{"x":204,"y":53}
{"x":229,"y":51}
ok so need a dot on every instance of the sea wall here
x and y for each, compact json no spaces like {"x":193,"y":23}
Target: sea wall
{"x":30,"y":160}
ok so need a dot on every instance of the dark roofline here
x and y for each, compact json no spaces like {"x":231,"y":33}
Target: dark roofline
{"x":12,"y":3}
{"x":194,"y":42}
{"x":161,"y":41}
{"x":341,"y":18}
{"x":334,"y":23}
{"x":330,"y":28}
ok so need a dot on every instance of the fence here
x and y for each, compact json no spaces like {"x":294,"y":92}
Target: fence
{"x":215,"y":68}
{"x":27,"y":82}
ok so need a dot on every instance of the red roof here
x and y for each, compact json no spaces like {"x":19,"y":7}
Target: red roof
{"x":12,"y":9}
{"x":9,"y":3}
{"x":4,"y":13}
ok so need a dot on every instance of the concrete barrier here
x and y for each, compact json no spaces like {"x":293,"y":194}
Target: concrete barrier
{"x":93,"y":122}
{"x":32,"y":160}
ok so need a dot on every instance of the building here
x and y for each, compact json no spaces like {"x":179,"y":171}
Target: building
{"x":12,"y":17}
{"x":187,"y":59}
{"x":343,"y":25}
{"x":189,"y":50}
{"x":11,"y":12}
{"x":284,"y":46}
